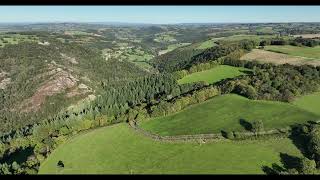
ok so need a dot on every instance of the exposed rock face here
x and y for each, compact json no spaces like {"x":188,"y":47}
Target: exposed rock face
{"x":58,"y":83}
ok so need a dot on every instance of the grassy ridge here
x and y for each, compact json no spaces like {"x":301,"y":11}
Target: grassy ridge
{"x":119,"y":150}
{"x":224,"y":113}
{"x":213,"y":75}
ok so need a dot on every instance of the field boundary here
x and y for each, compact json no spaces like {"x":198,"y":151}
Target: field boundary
{"x":202,"y":138}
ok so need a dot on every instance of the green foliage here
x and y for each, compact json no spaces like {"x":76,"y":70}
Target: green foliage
{"x":2,"y":149}
{"x":306,"y":166}
{"x":314,"y":143}
{"x":257,"y":126}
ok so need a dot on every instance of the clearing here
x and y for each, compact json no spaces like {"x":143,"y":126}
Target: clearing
{"x":276,"y":58}
{"x":213,"y":75}
{"x":225,"y":113}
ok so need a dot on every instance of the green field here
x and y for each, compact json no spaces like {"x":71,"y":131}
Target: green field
{"x":15,"y":39}
{"x":224,"y":113}
{"x":120,"y":150}
{"x":308,"y":52}
{"x":265,"y":30}
{"x":172,"y":47}
{"x":309,"y":102}
{"x":213,"y":75}
{"x":249,"y":37}
{"x":207,"y":44}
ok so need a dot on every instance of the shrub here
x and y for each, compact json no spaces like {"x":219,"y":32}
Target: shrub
{"x":228,"y":135}
{"x":60,"y":164}
{"x":257,"y":126}
{"x":306,"y":166}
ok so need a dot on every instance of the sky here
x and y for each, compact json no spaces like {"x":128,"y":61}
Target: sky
{"x":160,"y":14}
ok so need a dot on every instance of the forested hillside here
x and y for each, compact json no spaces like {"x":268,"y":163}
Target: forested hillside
{"x":35,"y":72}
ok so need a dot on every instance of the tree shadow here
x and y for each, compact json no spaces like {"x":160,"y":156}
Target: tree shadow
{"x":287,"y":161}
{"x":299,"y":140}
{"x":246,"y":72}
{"x":273,"y":170}
{"x":245,"y":124}
{"x":224,"y":134}
{"x":20,"y":155}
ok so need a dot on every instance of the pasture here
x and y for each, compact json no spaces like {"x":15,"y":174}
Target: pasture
{"x":313,"y":53}
{"x":249,"y":37}
{"x":273,"y":57}
{"x":307,"y":35}
{"x":310,"y":102}
{"x":225,"y":113}
{"x":213,"y":75}
{"x":118,"y":149}
{"x":207,"y":44}
{"x":6,"y":39}
{"x":172,"y":47}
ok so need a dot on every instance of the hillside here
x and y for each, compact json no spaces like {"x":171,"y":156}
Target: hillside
{"x":34,"y":76}
{"x":170,"y":98}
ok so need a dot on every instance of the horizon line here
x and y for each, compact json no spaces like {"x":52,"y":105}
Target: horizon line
{"x":146,"y":23}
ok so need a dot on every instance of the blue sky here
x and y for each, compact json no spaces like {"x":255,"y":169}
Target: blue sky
{"x":160,"y":14}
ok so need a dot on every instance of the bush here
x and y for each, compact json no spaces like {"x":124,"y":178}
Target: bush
{"x":228,"y":135}
{"x":60,"y":164}
{"x":306,"y":166}
{"x":257,"y":126}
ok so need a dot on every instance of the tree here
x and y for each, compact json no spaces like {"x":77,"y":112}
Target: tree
{"x":60,"y":164}
{"x":2,"y":149}
{"x":257,"y":126}
{"x":16,"y":168}
{"x":314,"y":143}
{"x":306,"y":166}
{"x":5,"y":169}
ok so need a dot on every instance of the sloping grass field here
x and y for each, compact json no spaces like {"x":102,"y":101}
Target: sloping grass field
{"x":224,"y":113}
{"x":310,"y":102}
{"x":120,"y":150}
{"x":207,"y":44}
{"x":213,"y":75}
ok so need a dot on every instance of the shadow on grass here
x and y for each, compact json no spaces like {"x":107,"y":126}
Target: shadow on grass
{"x":300,"y":141}
{"x":287,"y":161}
{"x":246,"y":72}
{"x":245,"y":124}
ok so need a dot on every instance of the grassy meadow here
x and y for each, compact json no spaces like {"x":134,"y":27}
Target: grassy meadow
{"x":207,"y":44}
{"x":307,"y":52}
{"x":213,"y":75}
{"x":118,"y":149}
{"x":224,"y":113}
{"x":310,"y":102}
